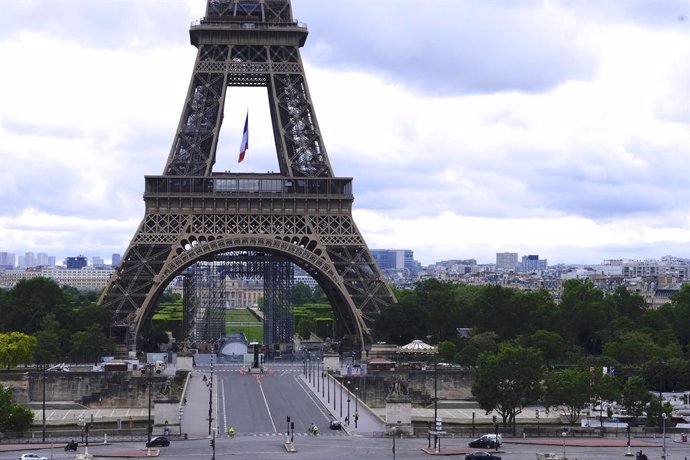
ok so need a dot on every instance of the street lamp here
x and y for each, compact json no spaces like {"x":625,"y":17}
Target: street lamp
{"x":356,"y":405}
{"x":209,"y":384}
{"x":393,"y":431}
{"x":663,"y":435}
{"x":147,"y":367}
{"x":537,"y":415}
{"x":435,"y":400}
{"x":341,"y":398}
{"x":564,"y":434}
{"x":44,"y":403}
{"x":348,"y":403}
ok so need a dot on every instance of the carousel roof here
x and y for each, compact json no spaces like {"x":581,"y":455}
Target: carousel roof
{"x":418,"y":346}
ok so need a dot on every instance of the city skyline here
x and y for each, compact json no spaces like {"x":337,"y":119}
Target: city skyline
{"x":554,"y":129}
{"x":89,"y":256}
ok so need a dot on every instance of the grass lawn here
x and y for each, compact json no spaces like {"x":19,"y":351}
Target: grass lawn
{"x":245,"y":322}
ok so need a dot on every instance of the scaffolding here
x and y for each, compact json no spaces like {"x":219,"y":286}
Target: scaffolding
{"x":205,"y":298}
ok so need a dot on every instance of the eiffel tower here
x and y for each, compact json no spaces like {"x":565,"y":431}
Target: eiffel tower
{"x":303,"y":214}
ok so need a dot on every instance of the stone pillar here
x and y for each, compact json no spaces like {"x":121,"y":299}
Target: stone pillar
{"x":399,"y":408}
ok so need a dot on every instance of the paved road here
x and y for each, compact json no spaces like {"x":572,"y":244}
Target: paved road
{"x":355,"y":447}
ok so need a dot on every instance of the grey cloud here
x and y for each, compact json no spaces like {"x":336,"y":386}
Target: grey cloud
{"x":445,"y":46}
{"x":105,"y":23}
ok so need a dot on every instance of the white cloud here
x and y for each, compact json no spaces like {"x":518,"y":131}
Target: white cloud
{"x":568,"y":139}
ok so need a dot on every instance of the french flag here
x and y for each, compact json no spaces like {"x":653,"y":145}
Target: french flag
{"x":245,"y":139}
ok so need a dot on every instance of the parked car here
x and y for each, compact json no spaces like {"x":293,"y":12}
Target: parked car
{"x":59,"y":368}
{"x":481,"y":455}
{"x":32,"y":456}
{"x":487,"y":441}
{"x":158,"y":441}
{"x":335,"y":425}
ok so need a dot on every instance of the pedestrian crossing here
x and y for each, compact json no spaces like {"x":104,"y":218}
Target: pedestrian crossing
{"x":334,"y":433}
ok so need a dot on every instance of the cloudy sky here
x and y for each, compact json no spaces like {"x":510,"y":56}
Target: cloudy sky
{"x":556,"y":127}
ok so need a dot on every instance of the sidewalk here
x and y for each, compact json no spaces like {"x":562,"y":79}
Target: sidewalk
{"x":368,"y":422}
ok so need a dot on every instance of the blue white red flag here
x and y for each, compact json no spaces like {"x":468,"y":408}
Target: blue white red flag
{"x":245,"y":139}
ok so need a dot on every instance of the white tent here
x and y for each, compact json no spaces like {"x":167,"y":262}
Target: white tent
{"x":417,"y":346}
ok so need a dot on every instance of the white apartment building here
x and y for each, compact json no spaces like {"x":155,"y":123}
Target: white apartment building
{"x":86,"y":279}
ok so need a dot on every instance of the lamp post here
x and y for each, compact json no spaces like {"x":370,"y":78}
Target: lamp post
{"x":328,"y":386}
{"x":179,"y":416}
{"x":564,"y":434}
{"x":393,"y":431}
{"x":356,"y":405}
{"x":663,"y":435}
{"x":309,"y":365}
{"x":537,"y":415}
{"x":44,"y":404}
{"x":435,"y":400}
{"x":148,"y":367}
{"x":209,"y":384}
{"x":348,"y":403}
{"x":341,"y":398}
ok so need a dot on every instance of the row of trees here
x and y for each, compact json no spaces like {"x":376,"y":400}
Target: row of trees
{"x":527,"y":349}
{"x":618,"y":328}
{"x":515,"y":377}
{"x":63,"y":323}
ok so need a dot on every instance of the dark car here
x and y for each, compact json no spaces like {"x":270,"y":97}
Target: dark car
{"x":482,"y":456}
{"x":158,"y":441}
{"x":484,"y":443}
{"x":335,"y":425}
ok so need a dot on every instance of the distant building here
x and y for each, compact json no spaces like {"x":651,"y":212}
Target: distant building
{"x":7,"y":260}
{"x":115,"y":260}
{"x":76,"y":263}
{"x":395,"y":259}
{"x":43,"y":260}
{"x":86,"y":279}
{"x":506,"y":261}
{"x":97,"y":262}
{"x":531,"y":263}
{"x":29,"y":260}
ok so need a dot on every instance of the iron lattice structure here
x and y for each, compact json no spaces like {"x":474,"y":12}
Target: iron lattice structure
{"x":303,"y":214}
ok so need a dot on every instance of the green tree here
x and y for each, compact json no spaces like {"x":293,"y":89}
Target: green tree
{"x":29,"y":301}
{"x":90,"y":344}
{"x":635,"y":396}
{"x":49,"y":347}
{"x":680,"y":307}
{"x":549,"y":343}
{"x":468,"y":355}
{"x":635,"y":348}
{"x":301,"y":294}
{"x":447,"y":351}
{"x":13,"y":417}
{"x":604,"y":388}
{"x":508,"y":380}
{"x":567,"y":390}
{"x":583,"y":315}
{"x":16,"y":348}
{"x":401,"y":323}
{"x":440,"y":301}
